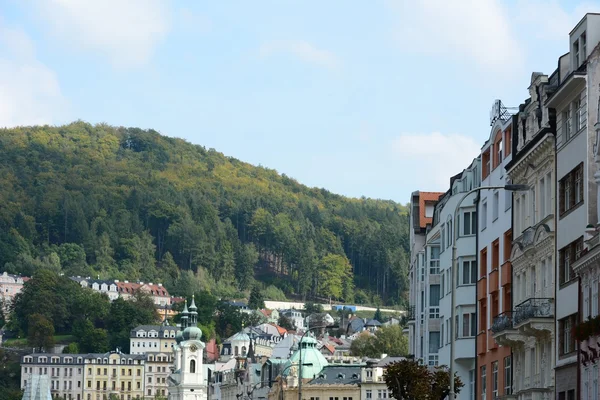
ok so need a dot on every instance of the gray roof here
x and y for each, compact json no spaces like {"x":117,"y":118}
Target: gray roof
{"x":49,"y":356}
{"x":38,"y":388}
{"x":389,"y":360}
{"x":338,"y":375}
{"x":158,"y":328}
{"x":373,"y":322}
{"x":356,"y":324}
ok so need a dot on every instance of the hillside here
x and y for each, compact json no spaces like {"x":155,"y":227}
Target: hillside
{"x":126,"y":203}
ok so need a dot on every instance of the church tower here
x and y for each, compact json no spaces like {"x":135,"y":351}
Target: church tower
{"x":186,"y":382}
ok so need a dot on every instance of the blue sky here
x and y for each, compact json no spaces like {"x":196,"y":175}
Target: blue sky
{"x":375,"y":99}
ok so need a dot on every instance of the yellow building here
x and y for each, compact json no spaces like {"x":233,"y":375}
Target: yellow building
{"x":334,"y":382}
{"x":114,"y":373}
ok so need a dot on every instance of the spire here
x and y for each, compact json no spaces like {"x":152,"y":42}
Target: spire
{"x":184,"y":316}
{"x":165,"y":321}
{"x":250,"y":355}
{"x":193,"y":313}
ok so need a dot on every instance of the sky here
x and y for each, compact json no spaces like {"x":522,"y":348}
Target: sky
{"x":371,"y":98}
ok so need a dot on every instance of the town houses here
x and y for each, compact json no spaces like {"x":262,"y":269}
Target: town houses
{"x":522,"y":217}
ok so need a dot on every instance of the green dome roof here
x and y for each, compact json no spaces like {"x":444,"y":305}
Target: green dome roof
{"x":179,"y":337}
{"x":310,"y":355}
{"x":192,"y":333}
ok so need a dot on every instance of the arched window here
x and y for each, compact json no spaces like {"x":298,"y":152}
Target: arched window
{"x":193,"y":366}
{"x":236,"y":351}
{"x":243,"y":350}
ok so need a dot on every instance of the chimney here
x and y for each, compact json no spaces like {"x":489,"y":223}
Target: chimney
{"x":141,"y":283}
{"x":125,"y":281}
{"x":160,"y":284}
{"x":150,"y":284}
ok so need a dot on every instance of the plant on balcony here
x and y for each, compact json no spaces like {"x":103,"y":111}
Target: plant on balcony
{"x":586,"y":329}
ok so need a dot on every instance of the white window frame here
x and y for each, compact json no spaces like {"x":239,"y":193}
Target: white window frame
{"x":483,"y":385}
{"x":508,"y":375}
{"x":495,"y":379}
{"x":472,"y":225}
{"x":495,"y":206}
{"x":483,"y":215}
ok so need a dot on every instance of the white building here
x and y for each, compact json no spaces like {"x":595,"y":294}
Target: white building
{"x":188,"y":380}
{"x":531,"y":333}
{"x":10,"y":286}
{"x":442,"y":235}
{"x":577,"y":197}
{"x":420,"y":276}
{"x":295,"y":316}
{"x":64,"y":371}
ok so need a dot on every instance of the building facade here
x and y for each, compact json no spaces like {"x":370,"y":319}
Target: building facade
{"x":114,"y":373}
{"x":10,"y":286}
{"x":529,"y":329}
{"x":64,"y":371}
{"x":422,"y":206}
{"x":493,"y":271}
{"x":442,"y":236}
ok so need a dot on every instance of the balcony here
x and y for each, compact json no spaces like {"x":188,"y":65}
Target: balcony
{"x":482,"y":289}
{"x":411,"y":314}
{"x":534,"y":316}
{"x":494,"y":281}
{"x":506,"y":273}
{"x":503,"y":330}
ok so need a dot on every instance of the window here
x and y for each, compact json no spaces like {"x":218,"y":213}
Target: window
{"x":496,"y":205}
{"x":434,"y":342}
{"x":507,"y":375}
{"x":472,"y":384}
{"x":542,"y":198}
{"x":434,"y":301}
{"x":577,"y":115}
{"x":483,"y":263}
{"x":483,"y":382}
{"x":583,"y":44}
{"x":567,"y":255}
{"x":567,"y":124}
{"x":571,"y":189}
{"x":517,"y":215}
{"x":469,"y":223}
{"x":469,"y":327}
{"x":566,"y":340}
{"x":495,"y":379}
{"x":595,"y":382}
{"x":485,"y":161}
{"x":469,"y":273}
{"x":369,"y":394}
{"x":449,"y":232}
{"x":483,"y":216}
{"x":434,"y":262}
{"x":499,"y":151}
{"x":443,"y":230}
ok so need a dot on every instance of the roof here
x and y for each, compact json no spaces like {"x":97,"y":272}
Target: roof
{"x":151,"y":288}
{"x":240,"y":304}
{"x":426,"y":197}
{"x":266,"y":313}
{"x":38,"y":388}
{"x":281,"y":330}
{"x":373,"y":322}
{"x":329,"y":348}
{"x":338,"y":375}
{"x":388,"y":360}
{"x":158,"y":328}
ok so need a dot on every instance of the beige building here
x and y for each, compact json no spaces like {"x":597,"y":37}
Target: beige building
{"x":334,"y":382}
{"x":10,"y":285}
{"x":114,"y":373}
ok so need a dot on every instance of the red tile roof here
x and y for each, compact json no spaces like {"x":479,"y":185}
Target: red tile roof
{"x":426,"y":198}
{"x":330,"y":348}
{"x":131,"y":287}
{"x":266,"y":313}
{"x":280,"y":329}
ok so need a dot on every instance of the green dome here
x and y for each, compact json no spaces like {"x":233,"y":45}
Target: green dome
{"x":310,"y":355}
{"x":179,"y":337}
{"x":192,"y":333}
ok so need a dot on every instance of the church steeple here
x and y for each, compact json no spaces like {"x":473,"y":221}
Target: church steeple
{"x":184,"y":316}
{"x":193,"y":321}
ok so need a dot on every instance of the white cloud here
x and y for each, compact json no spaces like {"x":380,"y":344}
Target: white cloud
{"x":302,"y":50}
{"x":29,"y":91}
{"x":546,"y":19}
{"x":435,"y":157}
{"x":125,"y":31}
{"x":471,"y":31}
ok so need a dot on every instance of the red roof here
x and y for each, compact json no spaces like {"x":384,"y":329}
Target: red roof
{"x":330,"y":348}
{"x":424,"y":199}
{"x":281,"y":330}
{"x":131,"y":287}
{"x":266,"y":313}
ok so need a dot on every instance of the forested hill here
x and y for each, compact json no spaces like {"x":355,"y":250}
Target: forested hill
{"x":124,"y":203}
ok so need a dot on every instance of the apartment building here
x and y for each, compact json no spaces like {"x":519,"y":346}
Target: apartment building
{"x":494,"y":270}
{"x":125,"y":289}
{"x":114,"y":373}
{"x":423,"y":271}
{"x":88,"y":376}
{"x":530,"y":329}
{"x":65,"y":372}
{"x":576,"y":104}
{"x":441,"y":236}
{"x":10,"y":286}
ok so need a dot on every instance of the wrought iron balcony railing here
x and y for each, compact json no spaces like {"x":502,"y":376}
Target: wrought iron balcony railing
{"x":502,"y":322}
{"x":411,"y":313}
{"x":533,"y":308}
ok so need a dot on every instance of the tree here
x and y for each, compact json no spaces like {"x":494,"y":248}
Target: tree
{"x":256,"y":301}
{"x":388,"y":340}
{"x":71,"y":348}
{"x":334,"y":271}
{"x":40,"y":333}
{"x":378,"y":316}
{"x":312,"y":308}
{"x":127,"y":314}
{"x":286,"y":323}
{"x":407,"y":379}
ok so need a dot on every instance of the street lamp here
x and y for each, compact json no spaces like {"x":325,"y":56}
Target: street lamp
{"x":453,"y":331}
{"x":300,"y":360}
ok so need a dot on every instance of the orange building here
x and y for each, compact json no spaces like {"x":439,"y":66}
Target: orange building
{"x":494,"y":298}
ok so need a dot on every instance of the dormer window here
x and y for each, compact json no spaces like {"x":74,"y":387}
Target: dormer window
{"x":583,"y":44}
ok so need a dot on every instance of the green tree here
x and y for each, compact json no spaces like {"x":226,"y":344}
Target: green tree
{"x":334,"y":270}
{"x":256,"y":301}
{"x":312,"y":308}
{"x":40,"y":333}
{"x":125,"y":315}
{"x":407,"y":379}
{"x":364,"y":346}
{"x":392,"y":341}
{"x":71,"y":348}
{"x":286,"y":323}
{"x":378,"y":316}
{"x":89,"y":338}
